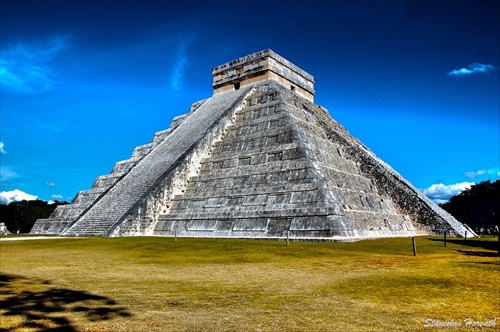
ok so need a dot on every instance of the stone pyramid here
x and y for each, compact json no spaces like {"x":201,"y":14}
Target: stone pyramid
{"x":256,"y":160}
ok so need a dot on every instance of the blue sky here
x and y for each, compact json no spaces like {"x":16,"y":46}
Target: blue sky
{"x":84,"y":82}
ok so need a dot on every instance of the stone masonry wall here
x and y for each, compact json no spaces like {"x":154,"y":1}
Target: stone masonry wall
{"x":259,"y":181}
{"x":371,"y":211}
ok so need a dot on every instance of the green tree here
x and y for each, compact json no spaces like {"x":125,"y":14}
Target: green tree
{"x":21,"y":216}
{"x":478,"y":206}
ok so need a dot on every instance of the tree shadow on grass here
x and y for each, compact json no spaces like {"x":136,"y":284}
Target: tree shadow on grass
{"x":479,"y":253}
{"x":489,"y":245}
{"x":51,"y":309}
{"x":474,"y":243}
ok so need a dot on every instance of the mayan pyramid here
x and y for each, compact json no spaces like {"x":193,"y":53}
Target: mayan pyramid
{"x":256,"y":160}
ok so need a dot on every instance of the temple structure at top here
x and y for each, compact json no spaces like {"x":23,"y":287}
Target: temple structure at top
{"x":259,"y":67}
{"x":258,"y":159}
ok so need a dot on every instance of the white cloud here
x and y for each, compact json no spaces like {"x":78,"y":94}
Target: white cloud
{"x":50,"y":184}
{"x":475,"y":68}
{"x":15,"y":195}
{"x":24,"y":68}
{"x":57,"y":197}
{"x":441,"y":193}
{"x":2,"y":151}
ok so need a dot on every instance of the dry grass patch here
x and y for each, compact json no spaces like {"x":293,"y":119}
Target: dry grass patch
{"x":156,"y":284}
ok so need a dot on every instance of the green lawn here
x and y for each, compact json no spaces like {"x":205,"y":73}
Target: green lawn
{"x":158,"y":284}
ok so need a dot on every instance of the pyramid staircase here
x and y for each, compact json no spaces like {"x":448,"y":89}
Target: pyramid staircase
{"x":64,"y":215}
{"x":122,"y":197}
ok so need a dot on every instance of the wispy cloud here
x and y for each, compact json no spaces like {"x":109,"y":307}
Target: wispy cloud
{"x":179,"y":67}
{"x":25,"y":68}
{"x":441,"y":193}
{"x":2,"y":151}
{"x":475,"y":174}
{"x":50,"y":184}
{"x":475,"y":68}
{"x":7,"y":174}
{"x":56,"y":197}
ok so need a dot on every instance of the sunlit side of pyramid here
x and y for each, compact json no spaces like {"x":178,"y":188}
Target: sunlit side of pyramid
{"x":256,"y":160}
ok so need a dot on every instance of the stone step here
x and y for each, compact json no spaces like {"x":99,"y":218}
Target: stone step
{"x":207,"y":191}
{"x":238,"y":212}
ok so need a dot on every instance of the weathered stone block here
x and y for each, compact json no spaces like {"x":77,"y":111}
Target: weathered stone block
{"x":255,"y":200}
{"x":257,"y":224}
{"x":278,"y":227}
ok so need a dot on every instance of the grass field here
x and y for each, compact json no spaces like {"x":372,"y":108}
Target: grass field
{"x":158,"y":284}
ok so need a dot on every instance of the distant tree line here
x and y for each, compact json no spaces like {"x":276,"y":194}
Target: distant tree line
{"x":20,"y":216}
{"x":478,"y":207}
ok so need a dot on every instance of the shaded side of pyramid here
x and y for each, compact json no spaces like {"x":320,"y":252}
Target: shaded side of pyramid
{"x":258,"y":160}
